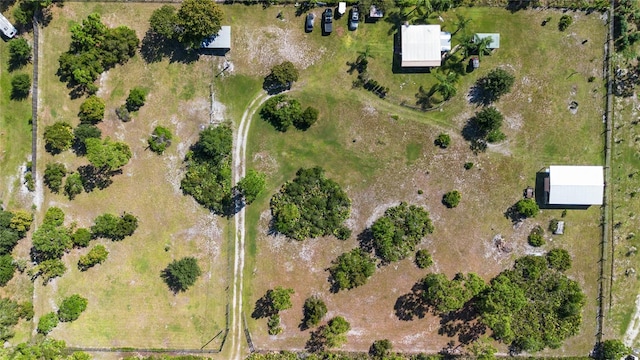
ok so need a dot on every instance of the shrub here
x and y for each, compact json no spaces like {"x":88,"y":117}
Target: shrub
{"x":96,"y":256}
{"x":565,"y":21}
{"x":160,"y":139}
{"x":25,"y":310}
{"x":559,"y":259}
{"x":53,"y":175}
{"x":314,"y":310}
{"x":54,"y":216}
{"x":274,"y":324}
{"x":252,"y":185}
{"x":7,"y":269}
{"x":536,"y":237}
{"x":495,"y":136}
{"x":281,"y":77}
{"x":281,"y":112}
{"x":107,"y":154}
{"x":497,"y":83}
{"x":71,"y":308}
{"x":334,"y":332}
{"x":310,"y":206}
{"x":50,"y":269}
{"x":451,"y":199}
{"x":20,"y":86}
{"x":73,"y":185}
{"x":81,"y":237}
{"x":468,"y":165}
{"x":423,"y":259}
{"x":29,"y":181}
{"x":399,"y":231}
{"x":136,"y":99}
{"x":112,"y":227}
{"x":487,"y":120}
{"x":91,"y":110}
{"x":123,"y":113}
{"x":19,"y":53}
{"x":181,"y":274}
{"x":58,"y":137}
{"x":443,"y":141}
{"x":527,"y":208}
{"x":307,"y":118}
{"x":342,"y":233}
{"x":47,"y":323}
{"x":450,"y":295}
{"x":553,"y":225}
{"x":351,"y":269}
{"x":380,"y":349}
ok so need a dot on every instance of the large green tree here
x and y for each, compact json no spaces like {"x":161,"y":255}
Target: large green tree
{"x":310,"y":206}
{"x":252,"y":185}
{"x":351,"y":269}
{"x":91,"y":110}
{"x":51,"y":242}
{"x":71,"y":308}
{"x":19,"y":53}
{"x":108,"y":155}
{"x":397,"y":233}
{"x":281,"y":77}
{"x":314,"y":310}
{"x":58,"y":137}
{"x":280,"y":298}
{"x":450,"y":295}
{"x":7,"y":269}
{"x":197,"y":20}
{"x":163,"y":21}
{"x":20,"y":86}
{"x":497,"y":83}
{"x":335,"y":331}
{"x":53,"y":175}
{"x":181,"y":274}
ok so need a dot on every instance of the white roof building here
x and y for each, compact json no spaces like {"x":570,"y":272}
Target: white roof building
{"x":222,"y":40}
{"x":575,"y":185}
{"x":422,"y":45}
{"x":495,"y":39}
{"x":7,"y":28}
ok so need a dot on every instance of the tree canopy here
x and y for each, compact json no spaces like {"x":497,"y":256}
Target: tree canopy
{"x":351,"y":269}
{"x":450,"y":295}
{"x":497,"y":83}
{"x":53,"y":175}
{"x":282,"y":111}
{"x":252,"y":185}
{"x":208,"y":177}
{"x":314,"y":310}
{"x":71,"y":308}
{"x":397,"y":233}
{"x":310,"y":206}
{"x":197,"y":20}
{"x":532,"y":306}
{"x":19,"y":53}
{"x":181,"y":274}
{"x":280,"y":298}
{"x":163,"y":21}
{"x":20,"y":86}
{"x":527,"y":207}
{"x":281,"y":77}
{"x":51,"y":242}
{"x":114,"y":227}
{"x":160,"y":139}
{"x":96,"y":256}
{"x":107,"y":154}
{"x":335,"y":331}
{"x":91,"y":110}
{"x":58,"y":137}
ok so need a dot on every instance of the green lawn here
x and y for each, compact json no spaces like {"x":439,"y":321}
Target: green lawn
{"x":382,"y":153}
{"x":129,"y":305}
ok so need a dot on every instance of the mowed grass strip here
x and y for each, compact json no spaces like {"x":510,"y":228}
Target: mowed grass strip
{"x":129,"y":304}
{"x":383,"y":154}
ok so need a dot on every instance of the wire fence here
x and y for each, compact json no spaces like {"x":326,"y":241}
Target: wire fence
{"x":34,"y":98}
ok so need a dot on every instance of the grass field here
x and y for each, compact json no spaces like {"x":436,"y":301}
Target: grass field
{"x":129,"y":305}
{"x":383,"y":154}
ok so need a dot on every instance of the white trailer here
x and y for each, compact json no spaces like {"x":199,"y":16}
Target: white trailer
{"x":7,"y":28}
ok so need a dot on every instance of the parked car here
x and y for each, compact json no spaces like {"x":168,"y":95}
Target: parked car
{"x":327,"y":21}
{"x":308,"y":25}
{"x":354,"y":18}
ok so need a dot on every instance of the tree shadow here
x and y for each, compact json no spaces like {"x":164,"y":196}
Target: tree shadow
{"x":412,"y":305}
{"x":513,"y":214}
{"x":472,"y":133}
{"x":19,"y":95}
{"x":155,"y":47}
{"x":17,"y":64}
{"x":93,"y":177}
{"x":317,"y":341}
{"x":263,"y":309}
{"x":365,"y":240}
{"x":305,"y":7}
{"x":463,"y":323}
{"x":478,"y":96}
{"x":396,"y":19}
{"x":273,"y":87}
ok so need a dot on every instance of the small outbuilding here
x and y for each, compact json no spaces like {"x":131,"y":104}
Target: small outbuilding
{"x":220,"y":41}
{"x":495,"y":39}
{"x":375,"y":13}
{"x":423,"y":45}
{"x":574,"y":185}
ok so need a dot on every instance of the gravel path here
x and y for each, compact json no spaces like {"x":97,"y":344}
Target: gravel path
{"x":239,"y":169}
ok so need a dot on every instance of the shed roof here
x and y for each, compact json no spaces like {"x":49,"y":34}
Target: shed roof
{"x":421,"y":45}
{"x":222,"y":40}
{"x":576,"y":185}
{"x":495,"y":39}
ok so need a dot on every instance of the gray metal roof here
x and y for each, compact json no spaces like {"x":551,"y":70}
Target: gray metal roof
{"x":222,"y":40}
{"x":576,"y":185}
{"x":495,"y":39}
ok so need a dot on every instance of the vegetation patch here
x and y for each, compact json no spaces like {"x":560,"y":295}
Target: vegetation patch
{"x":181,"y":274}
{"x":351,"y":269}
{"x":310,"y":206}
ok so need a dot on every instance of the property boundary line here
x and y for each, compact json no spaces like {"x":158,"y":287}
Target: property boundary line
{"x":34,"y":98}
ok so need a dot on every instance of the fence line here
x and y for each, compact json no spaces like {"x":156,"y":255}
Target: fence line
{"x":34,"y":98}
{"x":247,"y":333}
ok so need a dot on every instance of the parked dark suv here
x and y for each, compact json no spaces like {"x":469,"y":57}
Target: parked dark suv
{"x":354,"y":18}
{"x":327,"y":21}
{"x":308,"y":25}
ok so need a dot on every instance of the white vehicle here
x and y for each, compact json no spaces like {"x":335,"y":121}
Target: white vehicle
{"x":7,"y":28}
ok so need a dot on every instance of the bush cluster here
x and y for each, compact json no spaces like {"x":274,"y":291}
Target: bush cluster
{"x":113,"y":227}
{"x":71,"y":308}
{"x":281,"y":111}
{"x":53,"y":175}
{"x":310,"y":206}
{"x":94,"y":49}
{"x":565,"y":21}
{"x":443,"y":141}
{"x":58,"y":137}
{"x":351,"y":269}
{"x":536,"y":237}
{"x":160,"y":139}
{"x":314,"y":310}
{"x":281,"y":77}
{"x":96,"y":256}
{"x":451,"y":199}
{"x":423,"y":259}
{"x":399,"y":231}
{"x":208,"y":177}
{"x":181,"y":274}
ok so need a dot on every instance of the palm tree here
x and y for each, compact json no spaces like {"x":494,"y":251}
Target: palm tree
{"x":365,"y":55}
{"x":446,"y":85}
{"x":482,"y":45}
{"x":424,"y":98}
{"x":420,"y":9}
{"x":467,"y":44}
{"x":461,"y":23}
